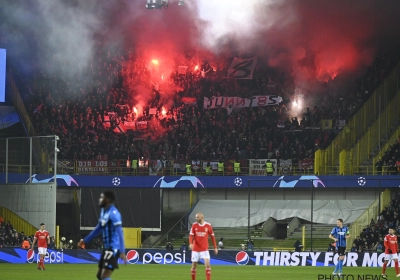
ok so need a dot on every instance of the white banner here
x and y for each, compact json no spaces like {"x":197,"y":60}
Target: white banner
{"x":129,"y":125}
{"x":257,"y":166}
{"x":213,"y":165}
{"x":238,"y":102}
{"x":141,"y":125}
{"x":153,"y":111}
{"x":156,"y":166}
{"x":340,"y":124}
{"x":285,"y":166}
{"x":242,"y":68}
{"x":196,"y":165}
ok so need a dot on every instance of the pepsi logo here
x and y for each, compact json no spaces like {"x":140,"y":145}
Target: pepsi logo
{"x":30,"y":256}
{"x":132,"y":256}
{"x":242,"y":258}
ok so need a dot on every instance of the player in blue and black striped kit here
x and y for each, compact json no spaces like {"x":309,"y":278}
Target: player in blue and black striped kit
{"x":340,"y":234}
{"x":110,"y":224}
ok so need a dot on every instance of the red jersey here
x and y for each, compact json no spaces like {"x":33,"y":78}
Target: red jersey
{"x":41,"y":237}
{"x":391,"y":243}
{"x":199,"y":236}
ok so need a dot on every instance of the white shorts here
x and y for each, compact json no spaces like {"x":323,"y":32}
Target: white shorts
{"x":196,"y":256}
{"x":42,"y":250}
{"x":389,"y":257}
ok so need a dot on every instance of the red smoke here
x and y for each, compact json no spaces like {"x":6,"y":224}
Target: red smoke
{"x":326,"y":39}
{"x":313,"y":41}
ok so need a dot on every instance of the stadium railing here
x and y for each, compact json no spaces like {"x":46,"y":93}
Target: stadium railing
{"x":145,"y":170}
{"x":364,"y":219}
{"x":360,"y":123}
{"x":20,"y":169}
{"x":18,"y":223}
{"x":171,"y":171}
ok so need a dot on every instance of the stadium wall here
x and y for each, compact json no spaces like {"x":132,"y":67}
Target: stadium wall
{"x":36,"y":203}
{"x":178,"y":200}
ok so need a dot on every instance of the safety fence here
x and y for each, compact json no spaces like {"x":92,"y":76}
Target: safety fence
{"x":143,"y":167}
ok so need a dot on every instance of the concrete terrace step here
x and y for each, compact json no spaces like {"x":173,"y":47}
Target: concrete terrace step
{"x":263,"y":244}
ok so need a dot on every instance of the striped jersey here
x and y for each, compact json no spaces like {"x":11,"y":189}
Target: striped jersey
{"x":340,"y":235}
{"x":109,"y":220}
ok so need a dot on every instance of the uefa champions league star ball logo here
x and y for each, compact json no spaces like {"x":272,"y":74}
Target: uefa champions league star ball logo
{"x":242,"y":258}
{"x":116,"y":181}
{"x":361,"y":181}
{"x":238,"y":181}
{"x":132,"y":256}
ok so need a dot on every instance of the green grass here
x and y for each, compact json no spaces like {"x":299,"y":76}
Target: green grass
{"x":179,"y":272}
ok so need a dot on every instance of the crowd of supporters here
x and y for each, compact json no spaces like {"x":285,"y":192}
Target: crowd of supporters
{"x":372,"y":237}
{"x":10,"y":237}
{"x":186,"y":131}
{"x":390,"y":162}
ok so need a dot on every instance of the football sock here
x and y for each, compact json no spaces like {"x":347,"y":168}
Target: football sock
{"x":43,"y":264}
{"x":396,"y":266}
{"x":384,"y":268}
{"x":193,"y":274}
{"x":208,"y":273}
{"x":336,"y":268}
{"x":340,"y":266}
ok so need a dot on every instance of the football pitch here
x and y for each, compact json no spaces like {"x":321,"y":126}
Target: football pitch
{"x":182,"y":272}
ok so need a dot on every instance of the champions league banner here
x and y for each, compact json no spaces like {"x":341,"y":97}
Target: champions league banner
{"x":224,"y":257}
{"x":191,"y":182}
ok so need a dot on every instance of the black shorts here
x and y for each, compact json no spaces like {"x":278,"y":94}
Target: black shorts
{"x":109,"y":259}
{"x":341,"y":251}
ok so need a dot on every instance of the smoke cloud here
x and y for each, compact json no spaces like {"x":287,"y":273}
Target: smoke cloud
{"x":311,"y":41}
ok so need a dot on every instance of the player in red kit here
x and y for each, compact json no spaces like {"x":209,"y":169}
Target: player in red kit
{"x":198,"y":242}
{"x":43,"y":238}
{"x":391,"y":249}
